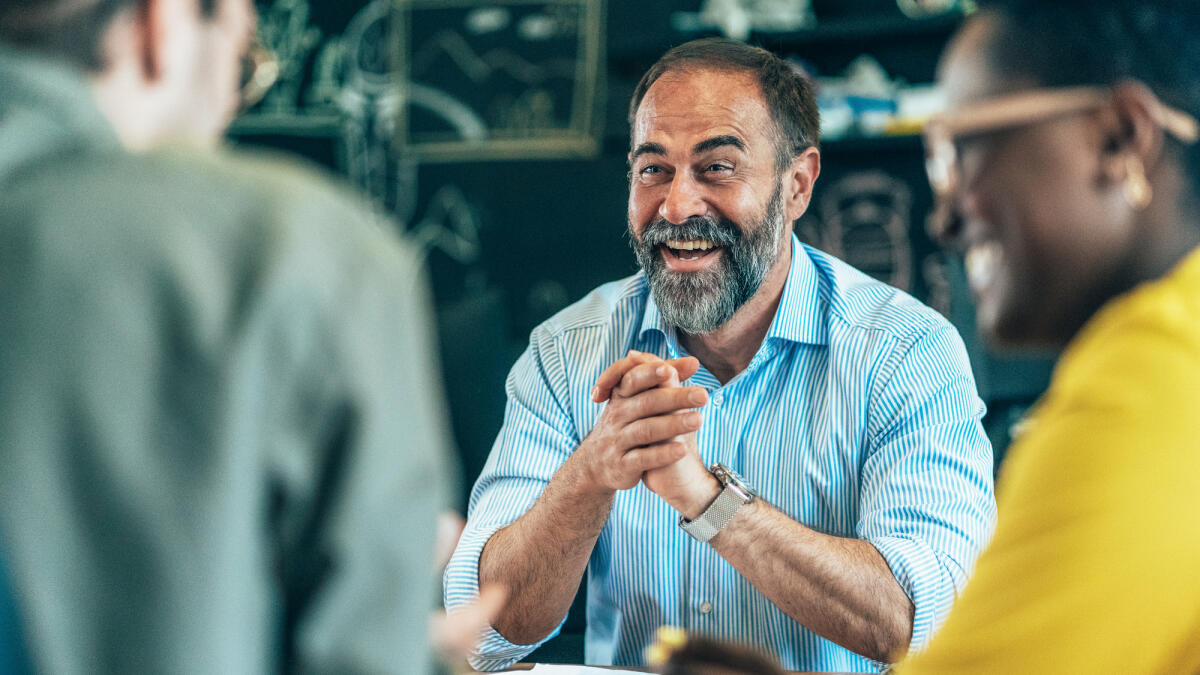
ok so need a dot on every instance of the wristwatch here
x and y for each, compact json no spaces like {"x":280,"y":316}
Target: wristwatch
{"x":735,"y":494}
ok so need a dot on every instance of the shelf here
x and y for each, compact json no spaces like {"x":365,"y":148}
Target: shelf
{"x":872,"y":29}
{"x":615,"y":144}
{"x":857,"y":144}
{"x":867,"y":34}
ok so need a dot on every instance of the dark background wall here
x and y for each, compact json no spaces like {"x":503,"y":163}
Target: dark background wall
{"x":517,"y":234}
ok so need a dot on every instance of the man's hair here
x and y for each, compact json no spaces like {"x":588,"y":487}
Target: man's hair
{"x":1102,"y":42}
{"x":69,"y":30}
{"x":703,"y":654}
{"x":787,"y":90}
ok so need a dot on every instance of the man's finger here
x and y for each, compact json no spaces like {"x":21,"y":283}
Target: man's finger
{"x":660,"y":401}
{"x":653,"y":430}
{"x":686,"y":366}
{"x":652,"y":457}
{"x":646,"y":376}
{"x":612,"y":375}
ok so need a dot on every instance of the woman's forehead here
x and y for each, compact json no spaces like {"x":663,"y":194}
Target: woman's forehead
{"x":968,"y":72}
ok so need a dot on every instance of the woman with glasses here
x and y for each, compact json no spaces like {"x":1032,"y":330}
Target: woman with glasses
{"x":1067,"y":172}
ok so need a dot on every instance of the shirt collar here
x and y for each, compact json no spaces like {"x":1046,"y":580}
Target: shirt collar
{"x":802,"y":312}
{"x":44,"y":102}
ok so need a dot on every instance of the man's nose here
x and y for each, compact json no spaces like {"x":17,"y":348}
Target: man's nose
{"x":684,"y":200}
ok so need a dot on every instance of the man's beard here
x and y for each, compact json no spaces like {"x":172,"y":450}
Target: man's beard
{"x":701,"y":302}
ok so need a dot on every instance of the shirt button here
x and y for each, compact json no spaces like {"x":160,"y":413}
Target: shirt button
{"x":718,"y":398}
{"x":705,"y":607}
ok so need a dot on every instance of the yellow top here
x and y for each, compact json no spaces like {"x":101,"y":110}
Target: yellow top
{"x":1095,"y":563}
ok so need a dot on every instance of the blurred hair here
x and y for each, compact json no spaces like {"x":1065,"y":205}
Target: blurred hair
{"x":1102,"y":42}
{"x":789,"y":93}
{"x":704,"y":656}
{"x":69,"y":30}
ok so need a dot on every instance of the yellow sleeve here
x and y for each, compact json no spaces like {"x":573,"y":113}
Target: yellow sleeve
{"x":1095,"y":563}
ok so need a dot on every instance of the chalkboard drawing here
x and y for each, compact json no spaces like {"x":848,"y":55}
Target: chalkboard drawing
{"x":865,"y":218}
{"x":450,"y":226}
{"x":283,"y":28}
{"x":499,"y":80}
{"x":326,"y":76}
{"x":369,"y":102}
{"x":546,"y":297}
{"x":938,"y":293}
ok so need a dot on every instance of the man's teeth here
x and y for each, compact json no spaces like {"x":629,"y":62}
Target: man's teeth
{"x":982,"y":261}
{"x":690,"y":244}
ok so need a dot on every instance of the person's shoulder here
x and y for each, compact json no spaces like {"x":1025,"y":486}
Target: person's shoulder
{"x":287,"y":182}
{"x":225,"y":191}
{"x":858,"y":303}
{"x":262,"y":171}
{"x":283,"y":200}
{"x":616,"y":306}
{"x":1145,"y":343}
{"x":255,"y":219}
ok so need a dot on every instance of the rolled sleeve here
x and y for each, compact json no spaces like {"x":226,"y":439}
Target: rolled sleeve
{"x":536,"y":438}
{"x":493,"y":652}
{"x":927,"y":501}
{"x":930,"y":580}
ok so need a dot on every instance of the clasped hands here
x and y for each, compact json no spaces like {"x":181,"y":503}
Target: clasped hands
{"x":647,"y":433}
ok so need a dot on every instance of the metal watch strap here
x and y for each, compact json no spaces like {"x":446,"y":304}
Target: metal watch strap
{"x":715,"y":517}
{"x":735,"y":493}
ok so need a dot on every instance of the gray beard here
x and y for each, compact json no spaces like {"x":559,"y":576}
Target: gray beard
{"x":701,"y":302}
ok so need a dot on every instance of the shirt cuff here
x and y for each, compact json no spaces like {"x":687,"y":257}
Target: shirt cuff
{"x":930,"y":580}
{"x":461,"y":586}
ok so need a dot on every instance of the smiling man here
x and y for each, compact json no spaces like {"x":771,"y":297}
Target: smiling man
{"x":848,"y":407}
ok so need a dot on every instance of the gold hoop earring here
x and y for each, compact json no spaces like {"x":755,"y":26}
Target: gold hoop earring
{"x":1138,"y":192}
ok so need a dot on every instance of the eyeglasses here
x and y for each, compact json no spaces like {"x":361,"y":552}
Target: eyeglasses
{"x":260,"y":70}
{"x":942,"y":132}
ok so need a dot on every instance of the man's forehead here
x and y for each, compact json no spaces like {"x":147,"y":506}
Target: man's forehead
{"x":703,"y":103}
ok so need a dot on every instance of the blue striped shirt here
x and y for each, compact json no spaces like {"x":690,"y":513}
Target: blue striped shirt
{"x":858,"y":417}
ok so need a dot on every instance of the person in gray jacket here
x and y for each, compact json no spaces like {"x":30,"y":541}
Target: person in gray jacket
{"x":222,"y":444}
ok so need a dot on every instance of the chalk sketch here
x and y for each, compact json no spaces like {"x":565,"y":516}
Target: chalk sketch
{"x":864,"y":221}
{"x":496,"y":80}
{"x":938,"y":292}
{"x":450,"y":226}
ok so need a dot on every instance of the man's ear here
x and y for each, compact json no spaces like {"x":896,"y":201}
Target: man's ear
{"x":798,"y":180}
{"x":150,"y":32}
{"x":1131,"y":131}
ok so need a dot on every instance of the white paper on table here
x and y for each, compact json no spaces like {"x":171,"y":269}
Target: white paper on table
{"x":551,"y":669}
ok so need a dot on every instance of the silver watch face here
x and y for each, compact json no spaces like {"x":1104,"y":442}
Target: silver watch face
{"x":727,"y":476}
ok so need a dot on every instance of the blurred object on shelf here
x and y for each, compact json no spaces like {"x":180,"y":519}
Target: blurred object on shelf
{"x":866,"y":102}
{"x":736,"y":19}
{"x":923,"y":9}
{"x":859,"y":102}
{"x":914,"y":105}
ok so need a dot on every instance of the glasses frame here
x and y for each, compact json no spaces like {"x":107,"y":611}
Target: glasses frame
{"x":260,"y":71}
{"x":1011,"y":111}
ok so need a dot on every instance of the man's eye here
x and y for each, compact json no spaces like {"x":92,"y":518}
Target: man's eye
{"x":649,"y":171}
{"x":718,"y":167}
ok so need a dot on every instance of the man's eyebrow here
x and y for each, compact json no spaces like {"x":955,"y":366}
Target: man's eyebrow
{"x":717,"y":142}
{"x":647,"y":149}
